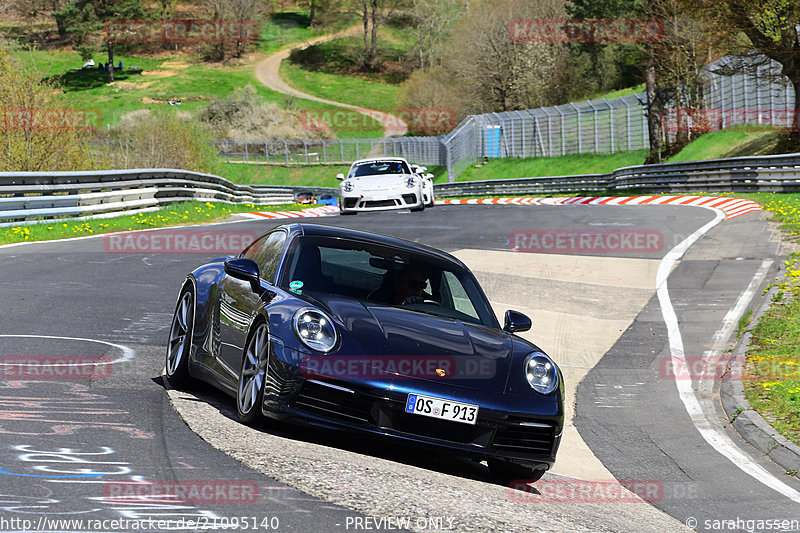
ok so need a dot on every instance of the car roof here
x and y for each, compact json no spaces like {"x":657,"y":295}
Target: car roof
{"x":369,"y":159}
{"x":321,"y":230}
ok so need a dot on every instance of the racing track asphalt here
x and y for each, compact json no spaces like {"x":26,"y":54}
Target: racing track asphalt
{"x":121,"y":427}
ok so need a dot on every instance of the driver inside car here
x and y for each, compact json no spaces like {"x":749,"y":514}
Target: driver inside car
{"x":400,"y":287}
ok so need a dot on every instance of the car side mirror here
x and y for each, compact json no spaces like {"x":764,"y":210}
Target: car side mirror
{"x":340,"y":177}
{"x":516,"y":322}
{"x":428,"y":176}
{"x":244,"y":269}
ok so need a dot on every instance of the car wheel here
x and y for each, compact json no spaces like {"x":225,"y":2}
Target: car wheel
{"x":507,"y":471}
{"x":421,"y":207}
{"x":348,"y":212}
{"x":250,"y":392}
{"x":180,"y":340}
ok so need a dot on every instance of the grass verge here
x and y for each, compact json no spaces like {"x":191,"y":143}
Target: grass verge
{"x":772,"y":374}
{"x":552,"y":166}
{"x":310,"y":175}
{"x":182,"y":213}
{"x":732,"y":142}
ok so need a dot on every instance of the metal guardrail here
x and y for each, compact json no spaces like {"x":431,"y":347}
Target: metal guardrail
{"x":778,"y":173}
{"x":26,"y":197}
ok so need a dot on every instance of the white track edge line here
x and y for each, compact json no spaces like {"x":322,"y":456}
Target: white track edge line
{"x":718,"y":440}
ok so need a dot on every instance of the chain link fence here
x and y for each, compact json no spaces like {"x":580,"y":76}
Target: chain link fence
{"x":754,"y":94}
{"x":424,"y":150}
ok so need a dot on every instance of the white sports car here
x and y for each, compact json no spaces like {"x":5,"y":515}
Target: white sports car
{"x":382,"y":183}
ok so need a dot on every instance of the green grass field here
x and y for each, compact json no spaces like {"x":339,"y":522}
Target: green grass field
{"x":329,"y":70}
{"x":159,"y":79}
{"x":283,"y":28}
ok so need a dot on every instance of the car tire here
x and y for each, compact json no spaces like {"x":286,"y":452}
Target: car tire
{"x":179,"y":347}
{"x":252,"y":375}
{"x":348,"y":212}
{"x":421,"y":207}
{"x":507,"y":471}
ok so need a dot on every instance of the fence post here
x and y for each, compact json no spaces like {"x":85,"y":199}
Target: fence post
{"x":227,"y":151}
{"x":596,"y":129}
{"x":580,"y":128}
{"x":246,"y":155}
{"x":549,"y":132}
{"x":628,"y":123}
{"x":266,"y":151}
{"x":610,"y":123}
{"x":286,"y":151}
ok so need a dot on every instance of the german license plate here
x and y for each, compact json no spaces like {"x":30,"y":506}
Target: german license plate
{"x":440,"y":408}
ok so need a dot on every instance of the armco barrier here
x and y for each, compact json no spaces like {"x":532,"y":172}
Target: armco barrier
{"x":28,"y":196}
{"x":777,"y":173}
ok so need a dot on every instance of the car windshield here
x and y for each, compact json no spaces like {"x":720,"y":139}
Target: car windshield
{"x":389,"y":276}
{"x":377,"y":168}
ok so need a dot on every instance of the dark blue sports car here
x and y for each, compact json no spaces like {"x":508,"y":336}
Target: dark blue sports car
{"x":345,"y":329}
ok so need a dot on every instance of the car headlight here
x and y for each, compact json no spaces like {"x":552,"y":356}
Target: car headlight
{"x":348,"y":186}
{"x":541,"y":373}
{"x":411,"y":183}
{"x":315,"y":329}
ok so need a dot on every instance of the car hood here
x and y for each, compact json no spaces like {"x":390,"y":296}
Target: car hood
{"x":389,"y":342}
{"x":380,"y":183}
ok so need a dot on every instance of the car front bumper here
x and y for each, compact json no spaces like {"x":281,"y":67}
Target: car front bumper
{"x":380,"y":201}
{"x":522,"y":433}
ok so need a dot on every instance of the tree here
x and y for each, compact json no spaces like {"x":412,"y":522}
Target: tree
{"x":605,"y":66}
{"x":431,"y":20}
{"x":373,"y":13}
{"x":497,"y":73}
{"x":241,"y":11}
{"x":83,"y":18}
{"x":773,"y":29}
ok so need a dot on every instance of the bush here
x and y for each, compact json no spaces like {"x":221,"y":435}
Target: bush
{"x":163,"y":139}
{"x":244,"y":116}
{"x":38,"y":131}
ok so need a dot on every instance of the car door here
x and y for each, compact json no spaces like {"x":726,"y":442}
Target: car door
{"x":239,"y":302}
